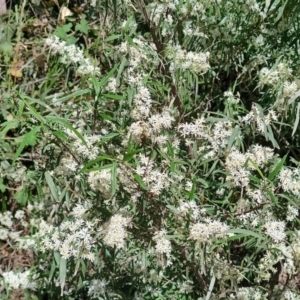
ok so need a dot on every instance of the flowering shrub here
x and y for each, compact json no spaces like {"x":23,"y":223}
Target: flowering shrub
{"x":167,"y":167}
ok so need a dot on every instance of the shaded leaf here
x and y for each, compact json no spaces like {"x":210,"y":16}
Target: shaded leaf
{"x":28,"y":139}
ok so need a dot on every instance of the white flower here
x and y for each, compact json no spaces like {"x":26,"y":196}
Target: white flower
{"x":204,"y":232}
{"x":18,"y":280}
{"x":3,"y":234}
{"x":276,"y":230}
{"x":19,"y":214}
{"x":116,"y":231}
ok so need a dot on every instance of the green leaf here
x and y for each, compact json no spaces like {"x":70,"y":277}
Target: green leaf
{"x":83,"y":26}
{"x":28,"y":139}
{"x":2,"y":186}
{"x":107,"y":137}
{"x":114,"y":96}
{"x":62,"y":274}
{"x":66,"y":124}
{"x":8,"y":125}
{"x":112,"y":37}
{"x":192,"y":192}
{"x":6,"y":48}
{"x":41,"y":103}
{"x":21,"y":196}
{"x":105,"y":79}
{"x":34,"y":112}
{"x":129,"y":155}
{"x":204,"y":182}
{"x":297,"y":120}
{"x":245,"y":232}
{"x":73,"y":95}
{"x":62,"y":31}
{"x":272,"y":197}
{"x":113,"y":179}
{"x":93,"y":162}
{"x":280,"y":11}
{"x":60,"y":135}
{"x":140,"y":181}
{"x":52,"y":186}
{"x":256,"y":168}
{"x":53,"y":267}
{"x":233,"y":136}
{"x":277,"y":169}
{"x":270,"y":136}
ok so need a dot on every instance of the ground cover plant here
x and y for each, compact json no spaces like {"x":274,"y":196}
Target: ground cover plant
{"x":149,"y":150}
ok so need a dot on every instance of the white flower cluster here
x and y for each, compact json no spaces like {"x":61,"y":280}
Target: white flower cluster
{"x":7,"y":222}
{"x":290,"y":180}
{"x":158,"y":10}
{"x":26,"y":242}
{"x":276,"y":230}
{"x":87,"y":149}
{"x":100,"y":181}
{"x":71,"y":54}
{"x":190,"y":30}
{"x":273,"y":76}
{"x":19,"y":280}
{"x":290,"y":295}
{"x":236,"y":165}
{"x":261,"y":120}
{"x":289,"y":88}
{"x":205,"y":232}
{"x":6,"y":219}
{"x":111,"y":86}
{"x":292,"y":213}
{"x":163,"y":245}
{"x":182,"y":59}
{"x":280,"y":75}
{"x":256,"y":195}
{"x":250,"y":293}
{"x":231,"y":98}
{"x":140,"y":54}
{"x":125,"y":176}
{"x":142,"y":104}
{"x":217,"y":135}
{"x":295,"y":246}
{"x":115,"y":233}
{"x":267,"y":262}
{"x":71,"y":238}
{"x":153,"y":178}
{"x":190,"y":208}
{"x":97,"y":288}
{"x":249,"y":218}
{"x":151,"y":128}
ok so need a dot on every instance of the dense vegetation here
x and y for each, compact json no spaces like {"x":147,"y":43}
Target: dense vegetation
{"x":150,"y":150}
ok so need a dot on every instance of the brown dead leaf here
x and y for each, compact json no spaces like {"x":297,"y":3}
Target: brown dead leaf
{"x":15,"y":70}
{"x":64,"y":12}
{"x":39,"y":59}
{"x":16,"y":73}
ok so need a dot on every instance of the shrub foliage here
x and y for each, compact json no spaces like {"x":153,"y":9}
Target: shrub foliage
{"x":149,"y":150}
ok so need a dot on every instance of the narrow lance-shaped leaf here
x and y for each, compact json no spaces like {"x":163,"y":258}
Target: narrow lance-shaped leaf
{"x":113,"y":180}
{"x":62,"y":274}
{"x":297,"y":120}
{"x":233,"y":136}
{"x":277,"y":169}
{"x":246,"y":232}
{"x":27,"y":140}
{"x":66,"y":124}
{"x":8,"y":125}
{"x":51,"y":186}
{"x":34,"y":112}
{"x":140,"y":181}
